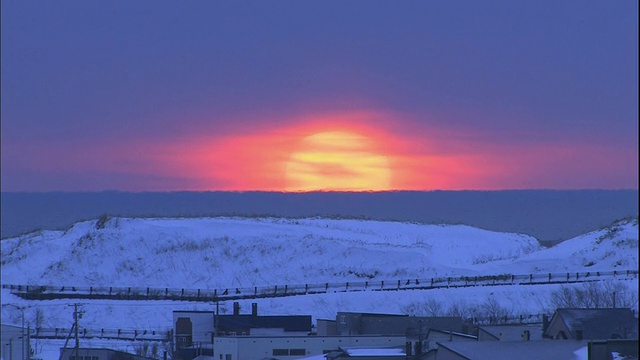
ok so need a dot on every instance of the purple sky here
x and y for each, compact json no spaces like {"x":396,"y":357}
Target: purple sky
{"x":119,"y":94}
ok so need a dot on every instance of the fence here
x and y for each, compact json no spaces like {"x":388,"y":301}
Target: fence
{"x":47,"y":292}
{"x":113,"y":334}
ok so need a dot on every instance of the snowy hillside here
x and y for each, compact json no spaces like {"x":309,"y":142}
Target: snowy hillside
{"x":247,"y":252}
{"x":237,"y":252}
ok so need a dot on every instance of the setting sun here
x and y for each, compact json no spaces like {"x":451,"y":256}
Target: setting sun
{"x":337,"y":160}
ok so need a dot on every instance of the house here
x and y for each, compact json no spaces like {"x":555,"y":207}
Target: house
{"x":612,"y":349}
{"x":350,"y":323}
{"x":518,"y":332}
{"x":97,"y":354}
{"x":15,"y":342}
{"x":506,"y":350}
{"x":593,"y":324}
{"x":295,"y":347}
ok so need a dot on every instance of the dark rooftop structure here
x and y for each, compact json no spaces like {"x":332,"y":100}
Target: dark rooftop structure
{"x":350,"y":323}
{"x":592,"y":324}
{"x":244,"y":323}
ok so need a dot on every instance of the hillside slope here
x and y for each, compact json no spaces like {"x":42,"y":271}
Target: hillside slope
{"x":248,"y":252}
{"x":228,"y":252}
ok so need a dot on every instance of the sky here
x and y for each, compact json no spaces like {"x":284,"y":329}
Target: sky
{"x":319,"y":95}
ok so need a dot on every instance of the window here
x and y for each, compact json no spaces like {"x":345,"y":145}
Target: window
{"x":227,"y":357}
{"x":280,"y":352}
{"x":297,"y":352}
{"x":343,"y":319}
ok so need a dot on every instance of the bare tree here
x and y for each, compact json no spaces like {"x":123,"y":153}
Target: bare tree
{"x":590,"y":295}
{"x":427,"y":307}
{"x":496,"y":313}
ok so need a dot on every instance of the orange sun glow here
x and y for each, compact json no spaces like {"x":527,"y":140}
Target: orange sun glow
{"x":337,"y":160}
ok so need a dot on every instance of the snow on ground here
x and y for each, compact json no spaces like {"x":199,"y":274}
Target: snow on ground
{"x":208,"y":253}
{"x":236,"y":252}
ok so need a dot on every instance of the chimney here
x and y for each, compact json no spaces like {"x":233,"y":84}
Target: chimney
{"x":408,"y":348}
{"x":236,"y":308}
{"x":254,"y":309}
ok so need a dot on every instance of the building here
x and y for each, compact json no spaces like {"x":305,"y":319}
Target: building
{"x":592,"y":324}
{"x":326,"y":327}
{"x":193,"y":328}
{"x":284,"y":325}
{"x":196,"y":328}
{"x":613,"y":349}
{"x":349,"y":323}
{"x":519,"y":332}
{"x":368,"y":353}
{"x":195,"y":331}
{"x":97,"y":354}
{"x":434,"y":336}
{"x":15,"y":343}
{"x":506,"y":350}
{"x":294,"y":347}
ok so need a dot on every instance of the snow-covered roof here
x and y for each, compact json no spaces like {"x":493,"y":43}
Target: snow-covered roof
{"x":513,"y":332}
{"x":599,"y":323}
{"x":454,"y":333}
{"x":373,"y":351}
{"x":521,"y":350}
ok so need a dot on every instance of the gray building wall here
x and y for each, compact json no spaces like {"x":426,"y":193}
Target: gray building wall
{"x":255,"y":347}
{"x":201,"y":325}
{"x":558,"y":327}
{"x":602,"y":349}
{"x":97,"y":354}
{"x":388,"y":324}
{"x":13,"y":346}
{"x":349,"y":323}
{"x":326,"y":327}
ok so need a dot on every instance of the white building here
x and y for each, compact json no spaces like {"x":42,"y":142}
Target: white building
{"x":294,"y":347}
{"x":15,"y":343}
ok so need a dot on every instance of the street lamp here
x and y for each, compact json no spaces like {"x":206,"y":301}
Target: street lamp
{"x":24,"y":352}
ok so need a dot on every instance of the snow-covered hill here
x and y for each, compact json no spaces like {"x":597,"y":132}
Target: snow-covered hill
{"x":240,"y":252}
{"x":200,"y":253}
{"x":235,"y":252}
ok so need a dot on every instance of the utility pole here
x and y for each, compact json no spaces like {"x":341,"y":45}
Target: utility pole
{"x":28,"y":341}
{"x":76,"y":315}
{"x":215,"y":325}
{"x":614,"y":299}
{"x":75,"y":325}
